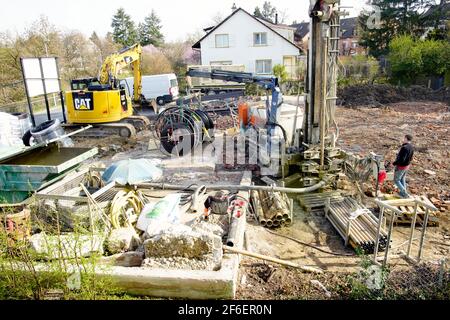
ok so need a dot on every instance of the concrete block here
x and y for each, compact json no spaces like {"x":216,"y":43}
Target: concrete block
{"x":129,"y":259}
{"x":207,"y":227}
{"x":181,"y":241}
{"x":122,"y":240}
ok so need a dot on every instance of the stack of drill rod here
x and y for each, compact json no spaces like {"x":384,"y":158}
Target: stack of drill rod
{"x":273,"y":209}
{"x":363,"y":230}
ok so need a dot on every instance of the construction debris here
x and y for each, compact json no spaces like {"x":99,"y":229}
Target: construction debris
{"x":122,"y":240}
{"x":181,"y":241}
{"x":273,"y":209}
{"x":129,"y":259}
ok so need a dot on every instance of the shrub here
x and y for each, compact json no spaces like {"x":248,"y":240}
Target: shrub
{"x":405,"y":58}
{"x":411,"y":58}
{"x":358,"y":69}
{"x":435,"y":57}
{"x":280,"y":72}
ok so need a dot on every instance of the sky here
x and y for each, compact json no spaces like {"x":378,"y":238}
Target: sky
{"x":178,"y":17}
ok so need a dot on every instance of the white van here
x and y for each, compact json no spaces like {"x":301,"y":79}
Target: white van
{"x":161,"y":87}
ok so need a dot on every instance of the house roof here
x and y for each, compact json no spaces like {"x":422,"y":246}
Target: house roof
{"x":197,"y":44}
{"x":301,"y":29}
{"x":441,"y":9}
{"x":270,"y":24}
{"x":348,"y":27}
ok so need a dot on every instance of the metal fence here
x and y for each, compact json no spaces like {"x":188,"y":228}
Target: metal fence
{"x":38,"y":104}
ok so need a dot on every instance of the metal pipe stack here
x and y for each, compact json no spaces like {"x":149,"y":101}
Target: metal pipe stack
{"x":363,"y":231}
{"x":273,"y":209}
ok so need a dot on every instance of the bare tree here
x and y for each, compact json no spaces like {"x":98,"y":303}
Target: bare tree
{"x":217,"y":18}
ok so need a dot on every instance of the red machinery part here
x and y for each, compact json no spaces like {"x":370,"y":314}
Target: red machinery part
{"x":381,"y":177}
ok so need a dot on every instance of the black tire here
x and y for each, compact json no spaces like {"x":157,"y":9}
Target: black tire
{"x":204,"y":117}
{"x":26,"y":138}
{"x":207,"y":121}
{"x":160,"y":101}
{"x":44,"y":125}
{"x":166,"y":134}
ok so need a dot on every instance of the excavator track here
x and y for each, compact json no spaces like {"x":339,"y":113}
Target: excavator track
{"x":139,"y":122}
{"x":125,"y":130}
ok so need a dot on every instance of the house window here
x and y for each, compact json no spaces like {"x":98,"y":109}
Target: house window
{"x":221,"y":63}
{"x":222,"y":41}
{"x":260,"y":39}
{"x":263,"y":66}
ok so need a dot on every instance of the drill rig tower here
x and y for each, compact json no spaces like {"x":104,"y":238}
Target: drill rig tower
{"x":321,"y":80}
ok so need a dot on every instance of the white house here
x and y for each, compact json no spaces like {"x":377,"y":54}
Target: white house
{"x":243,"y":39}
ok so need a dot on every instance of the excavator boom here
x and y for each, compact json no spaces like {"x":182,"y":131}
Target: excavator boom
{"x":120,"y":60}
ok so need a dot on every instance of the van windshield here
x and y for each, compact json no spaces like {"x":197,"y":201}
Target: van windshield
{"x":174,"y":83}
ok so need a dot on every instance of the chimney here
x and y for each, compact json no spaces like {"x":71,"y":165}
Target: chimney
{"x":233,"y":8}
{"x":276,"y":18}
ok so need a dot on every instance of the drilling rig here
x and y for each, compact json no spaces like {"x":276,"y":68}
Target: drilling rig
{"x":317,"y":139}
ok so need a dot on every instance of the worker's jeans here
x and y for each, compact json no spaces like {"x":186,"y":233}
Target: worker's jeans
{"x":400,"y":181}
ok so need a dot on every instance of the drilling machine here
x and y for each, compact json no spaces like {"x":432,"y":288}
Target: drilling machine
{"x":317,"y":142}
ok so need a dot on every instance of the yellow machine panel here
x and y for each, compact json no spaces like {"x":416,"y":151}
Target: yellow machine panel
{"x":98,"y":106}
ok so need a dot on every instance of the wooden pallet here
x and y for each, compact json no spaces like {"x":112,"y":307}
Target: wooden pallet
{"x":314,"y":201}
{"x":408,"y":212}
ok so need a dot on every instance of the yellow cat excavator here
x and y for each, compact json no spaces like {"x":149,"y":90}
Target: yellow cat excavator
{"x":103,"y":102}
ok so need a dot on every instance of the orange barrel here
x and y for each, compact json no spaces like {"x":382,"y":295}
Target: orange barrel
{"x":243,"y":114}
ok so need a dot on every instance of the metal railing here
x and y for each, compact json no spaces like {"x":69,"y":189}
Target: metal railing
{"x":389,"y":206}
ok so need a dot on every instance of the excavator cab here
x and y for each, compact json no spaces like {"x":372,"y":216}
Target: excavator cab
{"x":92,"y":102}
{"x":91,"y":84}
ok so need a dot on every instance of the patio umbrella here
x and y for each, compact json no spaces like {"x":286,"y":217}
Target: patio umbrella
{"x":132,"y":171}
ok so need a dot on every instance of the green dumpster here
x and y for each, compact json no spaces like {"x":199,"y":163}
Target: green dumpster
{"x":26,"y":170}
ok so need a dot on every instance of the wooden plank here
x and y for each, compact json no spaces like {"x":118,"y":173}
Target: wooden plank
{"x":420,"y":209}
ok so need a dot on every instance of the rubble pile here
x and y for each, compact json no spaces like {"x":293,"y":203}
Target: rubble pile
{"x":224,"y":122}
{"x":180,"y":246}
{"x":377,"y":95}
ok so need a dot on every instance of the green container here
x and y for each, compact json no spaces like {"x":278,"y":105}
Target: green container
{"x":31,"y":169}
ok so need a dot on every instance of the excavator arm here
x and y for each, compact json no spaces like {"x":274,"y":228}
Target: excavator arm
{"x":120,"y":60}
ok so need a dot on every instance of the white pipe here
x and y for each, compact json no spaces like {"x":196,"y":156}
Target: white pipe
{"x":233,"y":187}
